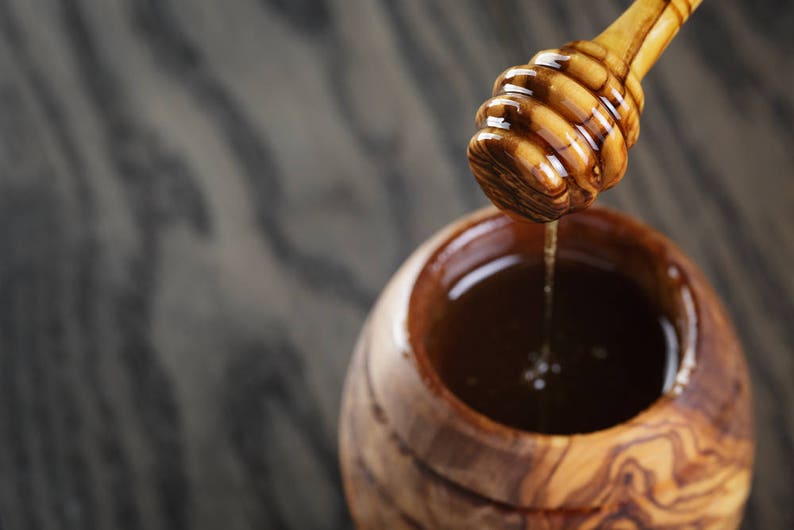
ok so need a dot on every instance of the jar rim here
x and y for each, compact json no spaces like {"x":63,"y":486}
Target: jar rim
{"x":483,"y":224}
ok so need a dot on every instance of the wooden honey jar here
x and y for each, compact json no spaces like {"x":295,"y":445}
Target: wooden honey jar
{"x":415,"y":455}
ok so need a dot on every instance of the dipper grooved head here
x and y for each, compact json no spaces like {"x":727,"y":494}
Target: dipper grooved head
{"x":556,"y":131}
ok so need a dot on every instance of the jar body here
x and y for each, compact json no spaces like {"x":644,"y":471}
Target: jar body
{"x":413,"y":456}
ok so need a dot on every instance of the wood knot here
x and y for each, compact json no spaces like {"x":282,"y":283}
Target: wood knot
{"x":556,"y":131}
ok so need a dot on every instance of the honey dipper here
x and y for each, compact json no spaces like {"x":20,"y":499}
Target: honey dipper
{"x":557,"y":130}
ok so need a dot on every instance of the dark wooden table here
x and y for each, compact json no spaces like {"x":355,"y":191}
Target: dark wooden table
{"x":199,"y":200}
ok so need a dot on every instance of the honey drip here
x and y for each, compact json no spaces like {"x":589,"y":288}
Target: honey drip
{"x":541,"y":362}
{"x":549,"y":256}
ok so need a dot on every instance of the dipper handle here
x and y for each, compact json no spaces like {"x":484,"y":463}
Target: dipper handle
{"x":557,"y":130}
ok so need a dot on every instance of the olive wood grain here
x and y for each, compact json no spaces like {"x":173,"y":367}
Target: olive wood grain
{"x":557,"y":130}
{"x":414,"y":456}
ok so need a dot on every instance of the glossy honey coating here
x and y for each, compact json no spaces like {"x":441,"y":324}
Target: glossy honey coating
{"x":556,"y":131}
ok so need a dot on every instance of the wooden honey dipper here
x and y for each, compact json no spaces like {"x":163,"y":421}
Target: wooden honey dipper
{"x":558,"y":129}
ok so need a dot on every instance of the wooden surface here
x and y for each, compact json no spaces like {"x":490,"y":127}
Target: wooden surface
{"x":200,"y":200}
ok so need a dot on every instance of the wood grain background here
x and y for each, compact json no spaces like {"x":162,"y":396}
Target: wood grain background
{"x":199,"y":200}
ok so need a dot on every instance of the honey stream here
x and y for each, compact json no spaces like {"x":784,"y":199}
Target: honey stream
{"x":542,"y":362}
{"x":549,"y":257}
